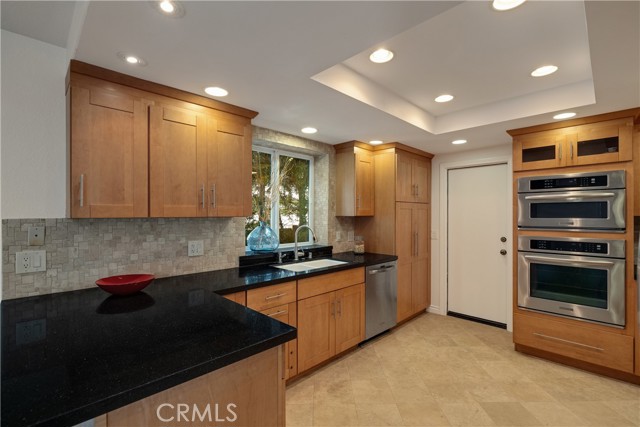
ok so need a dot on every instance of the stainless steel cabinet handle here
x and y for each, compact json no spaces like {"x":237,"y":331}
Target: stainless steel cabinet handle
{"x":560,"y":151}
{"x":339,"y":308}
{"x":277,"y":313}
{"x":202,"y":195}
{"x":572,"y":151}
{"x":572,"y":196}
{"x":268,"y":297}
{"x":382,"y":269}
{"x":81,"y":190}
{"x":213,"y":196}
{"x":566,"y":262}
{"x":417,"y":190}
{"x":547,"y":337}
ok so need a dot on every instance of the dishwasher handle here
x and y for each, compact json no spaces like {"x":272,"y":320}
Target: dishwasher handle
{"x":382,"y":269}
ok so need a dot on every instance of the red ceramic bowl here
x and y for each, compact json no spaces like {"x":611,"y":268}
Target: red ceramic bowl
{"x":125,"y":284}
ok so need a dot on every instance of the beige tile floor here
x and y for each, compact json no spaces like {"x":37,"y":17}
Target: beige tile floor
{"x":442,"y":371}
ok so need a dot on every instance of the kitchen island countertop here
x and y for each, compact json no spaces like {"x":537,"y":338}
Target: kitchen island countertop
{"x":72,"y":356}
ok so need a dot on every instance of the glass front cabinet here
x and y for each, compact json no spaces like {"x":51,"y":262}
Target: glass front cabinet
{"x":600,"y":142}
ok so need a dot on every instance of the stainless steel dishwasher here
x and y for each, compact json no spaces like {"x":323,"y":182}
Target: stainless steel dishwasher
{"x":381,"y":298}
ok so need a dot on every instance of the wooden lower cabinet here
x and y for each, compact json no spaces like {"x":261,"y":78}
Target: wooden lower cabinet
{"x":254,"y":386}
{"x":239,"y":297}
{"x":287,"y":313}
{"x":329,"y":324}
{"x":279,"y":302}
{"x":609,"y":349}
{"x":412,"y":248}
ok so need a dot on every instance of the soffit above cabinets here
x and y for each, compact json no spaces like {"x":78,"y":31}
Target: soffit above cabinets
{"x":306,"y":63}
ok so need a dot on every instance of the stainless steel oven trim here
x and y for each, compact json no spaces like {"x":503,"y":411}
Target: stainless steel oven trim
{"x":616,"y":247}
{"x":616,"y":220}
{"x":613,"y":315}
{"x":616,"y":180}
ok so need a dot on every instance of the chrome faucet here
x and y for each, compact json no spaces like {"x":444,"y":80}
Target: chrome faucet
{"x":295,"y":247}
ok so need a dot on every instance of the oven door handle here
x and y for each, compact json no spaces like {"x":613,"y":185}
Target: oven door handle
{"x":556,"y":260}
{"x":586,"y":195}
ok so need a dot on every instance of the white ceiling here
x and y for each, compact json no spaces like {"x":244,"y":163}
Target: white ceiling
{"x":306,"y":63}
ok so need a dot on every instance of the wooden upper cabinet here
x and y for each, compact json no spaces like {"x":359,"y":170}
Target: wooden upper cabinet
{"x":413,"y":178}
{"x":140,"y":149}
{"x":229,"y":168}
{"x":178,"y":169}
{"x":354,"y":180}
{"x":109,"y":154}
{"x":604,"y":141}
{"x":199,"y":164}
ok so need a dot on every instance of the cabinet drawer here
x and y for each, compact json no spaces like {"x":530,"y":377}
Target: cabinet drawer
{"x":612,"y":350}
{"x":317,"y":285}
{"x":271,"y":296}
{"x":285,"y":313}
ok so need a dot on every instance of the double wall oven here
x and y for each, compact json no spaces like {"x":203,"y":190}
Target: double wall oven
{"x":571,"y":274}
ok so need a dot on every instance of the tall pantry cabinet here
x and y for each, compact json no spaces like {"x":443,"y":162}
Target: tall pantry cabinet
{"x":401,"y":224}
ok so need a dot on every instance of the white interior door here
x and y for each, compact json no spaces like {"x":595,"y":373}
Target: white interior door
{"x":478,"y":221}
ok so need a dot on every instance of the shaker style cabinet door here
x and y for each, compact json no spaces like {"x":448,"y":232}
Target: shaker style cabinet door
{"x":178,"y":168}
{"x":316,"y":330}
{"x":109,"y":154}
{"x":413,"y":178}
{"x":349,"y":317}
{"x":228,"y":168}
{"x":354,"y":180}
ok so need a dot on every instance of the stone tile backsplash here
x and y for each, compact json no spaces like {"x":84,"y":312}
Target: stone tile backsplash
{"x":81,"y":251}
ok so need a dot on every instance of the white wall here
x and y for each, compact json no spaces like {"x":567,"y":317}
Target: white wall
{"x":33,"y":148}
{"x":439,"y":199}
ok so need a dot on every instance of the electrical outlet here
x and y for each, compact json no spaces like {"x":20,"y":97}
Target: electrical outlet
{"x":36,"y":235}
{"x":338,"y":236}
{"x":31,"y":261}
{"x":196,"y":248}
{"x":350,"y":236}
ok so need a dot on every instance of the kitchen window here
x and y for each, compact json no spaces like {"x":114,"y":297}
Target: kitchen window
{"x":281,"y":189}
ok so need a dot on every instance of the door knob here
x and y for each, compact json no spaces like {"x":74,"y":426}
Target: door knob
{"x":503,"y":239}
{"x":503,"y":251}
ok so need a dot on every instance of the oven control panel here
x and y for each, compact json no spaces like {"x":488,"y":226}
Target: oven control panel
{"x":608,"y":248}
{"x":562,"y":246}
{"x":577,"y":182}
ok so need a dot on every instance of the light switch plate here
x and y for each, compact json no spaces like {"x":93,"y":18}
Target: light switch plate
{"x":195,"y":248}
{"x":36,"y":235}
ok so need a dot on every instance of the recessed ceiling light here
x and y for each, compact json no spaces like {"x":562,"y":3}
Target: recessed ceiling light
{"x":309,"y":130}
{"x":503,"y":5}
{"x":459,"y":141}
{"x":170,"y":8}
{"x":564,"y":116}
{"x":544,"y":71}
{"x":216,"y":91}
{"x":375,"y":142}
{"x":131,"y":59}
{"x":381,"y":56}
{"x":444,"y":98}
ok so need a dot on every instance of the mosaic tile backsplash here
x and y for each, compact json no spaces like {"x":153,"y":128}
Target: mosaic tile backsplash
{"x":81,"y":251}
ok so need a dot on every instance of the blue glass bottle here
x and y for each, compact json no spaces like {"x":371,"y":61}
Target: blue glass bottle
{"x":263,"y":239}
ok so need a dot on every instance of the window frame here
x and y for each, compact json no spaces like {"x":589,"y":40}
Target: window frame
{"x":275,"y":203}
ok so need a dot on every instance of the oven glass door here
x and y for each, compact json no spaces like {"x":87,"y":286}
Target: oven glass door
{"x":589,"y":288}
{"x":603,"y":210}
{"x":576,"y":285}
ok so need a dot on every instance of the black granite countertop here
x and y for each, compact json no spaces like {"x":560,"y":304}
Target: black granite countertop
{"x":72,"y":356}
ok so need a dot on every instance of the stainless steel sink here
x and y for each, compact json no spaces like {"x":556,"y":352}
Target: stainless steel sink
{"x":310,"y":265}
